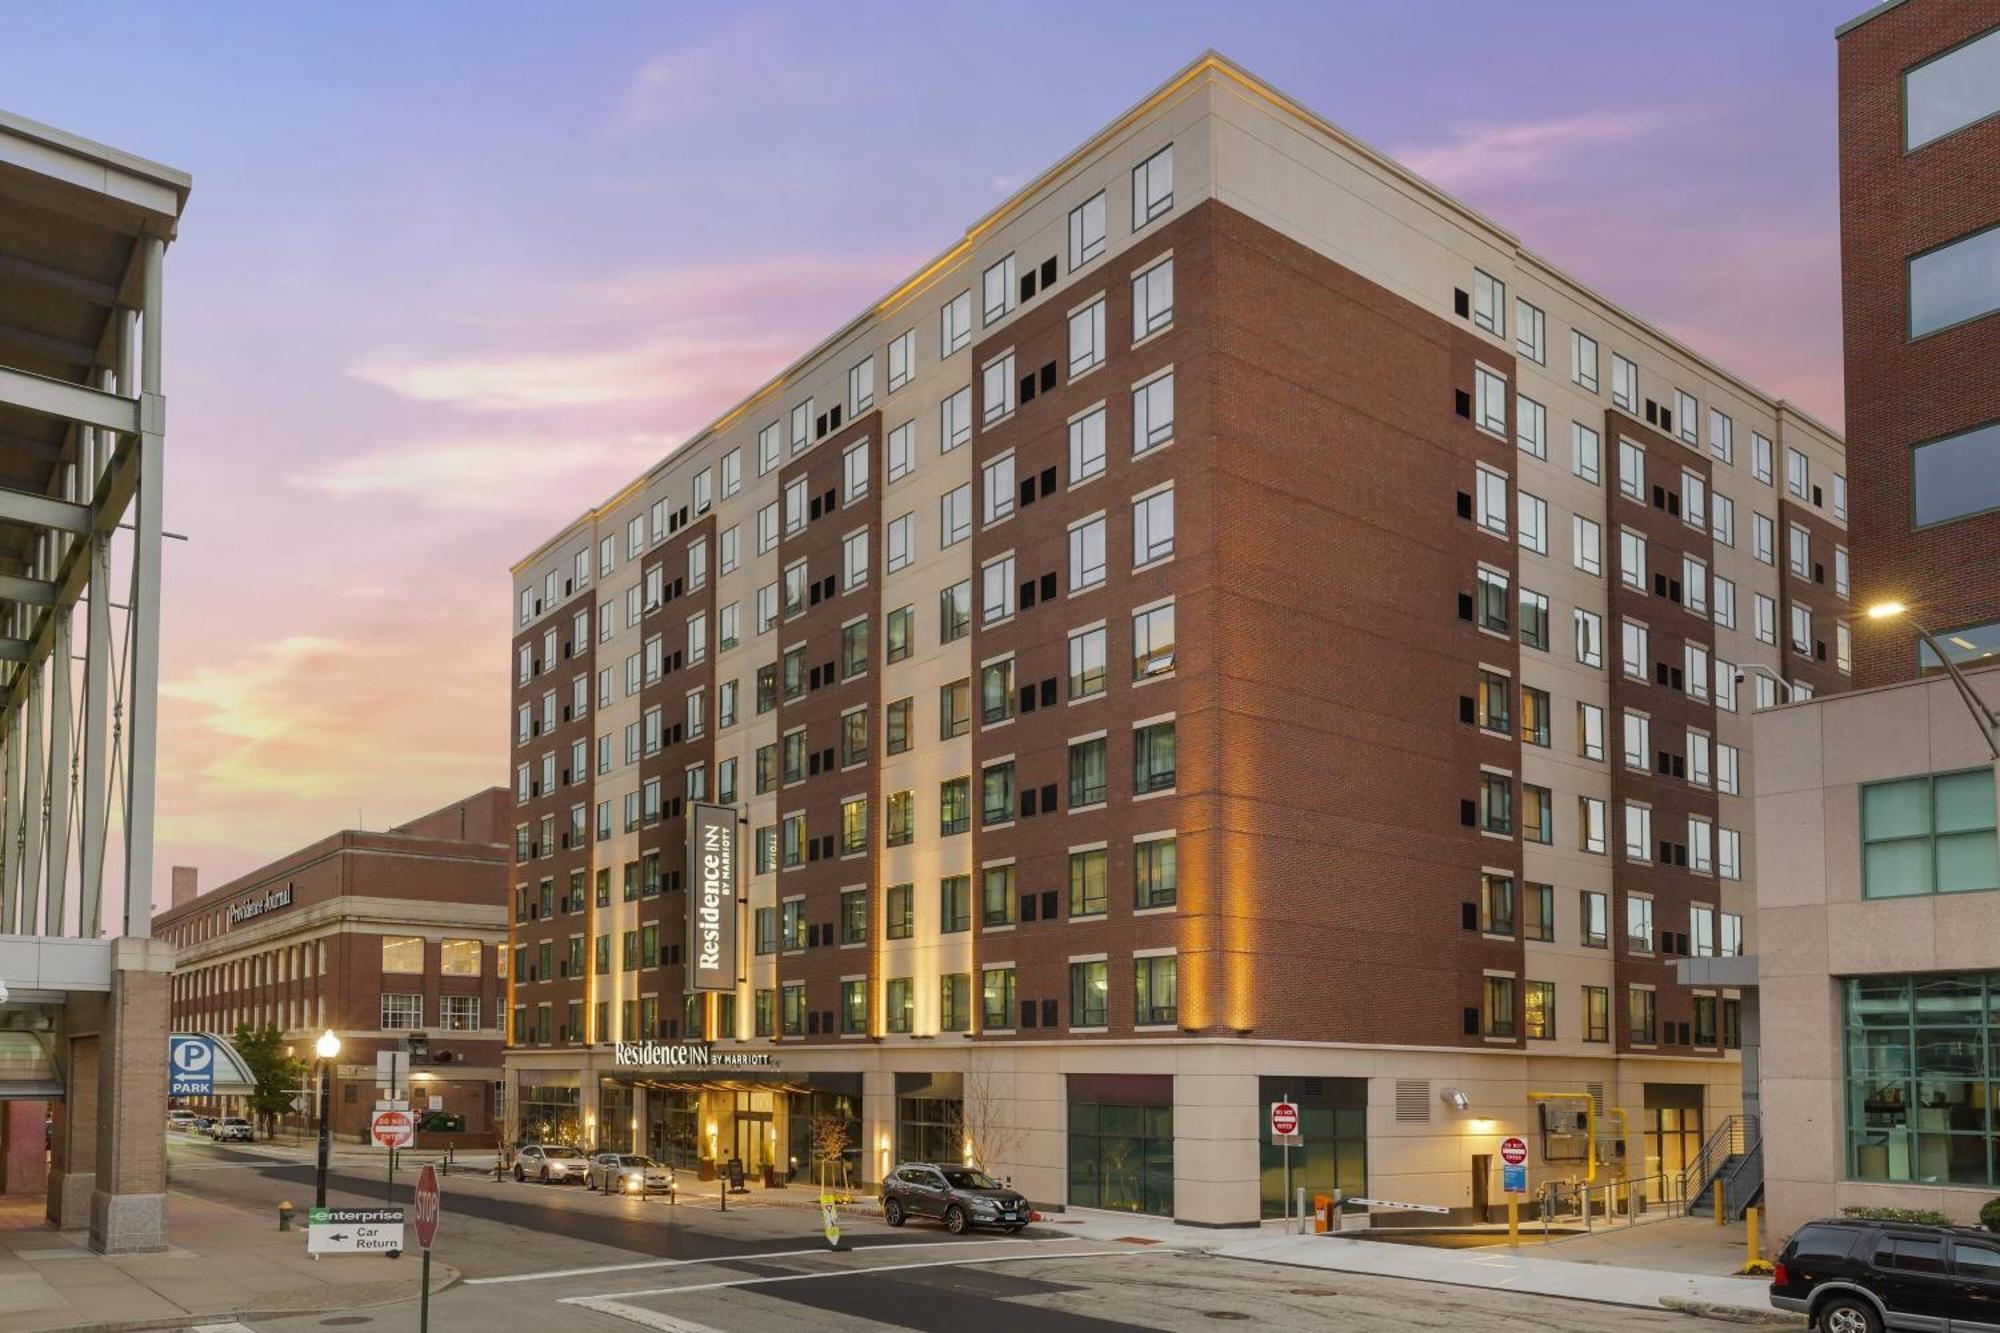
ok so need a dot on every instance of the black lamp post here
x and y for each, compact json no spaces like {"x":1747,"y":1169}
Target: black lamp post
{"x":328,"y":1049}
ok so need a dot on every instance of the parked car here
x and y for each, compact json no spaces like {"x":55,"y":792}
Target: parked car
{"x":1849,"y":1275}
{"x":958,"y":1196}
{"x":179,"y":1119}
{"x":232,"y":1129}
{"x":628,"y":1173}
{"x":550,"y":1163}
{"x":199,"y":1125}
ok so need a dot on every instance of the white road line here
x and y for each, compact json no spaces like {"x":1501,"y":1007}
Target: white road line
{"x":606,"y":1302}
{"x":666,"y":1323}
{"x":556,"y":1273}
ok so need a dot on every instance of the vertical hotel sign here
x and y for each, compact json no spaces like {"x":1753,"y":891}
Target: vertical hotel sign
{"x":711,"y":881}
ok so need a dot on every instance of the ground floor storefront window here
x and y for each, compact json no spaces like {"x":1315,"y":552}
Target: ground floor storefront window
{"x":826,"y":1117}
{"x":614,"y":1116}
{"x":673,"y":1126}
{"x":1333,"y":1120}
{"x":551,"y":1114}
{"x":929,"y":1118}
{"x":1121,"y":1142}
{"x":1923,"y":1069}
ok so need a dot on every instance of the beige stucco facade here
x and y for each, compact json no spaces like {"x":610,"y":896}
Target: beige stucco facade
{"x":1815,"y":928}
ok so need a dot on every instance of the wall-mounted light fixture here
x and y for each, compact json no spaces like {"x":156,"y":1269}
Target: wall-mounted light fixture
{"x":1456,"y":1100}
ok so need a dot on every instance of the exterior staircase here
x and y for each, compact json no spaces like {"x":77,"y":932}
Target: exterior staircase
{"x":1733,"y":1161}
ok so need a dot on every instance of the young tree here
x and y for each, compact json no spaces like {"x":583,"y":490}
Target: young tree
{"x":829,"y":1148}
{"x":278,"y":1076}
{"x":989,"y":1135}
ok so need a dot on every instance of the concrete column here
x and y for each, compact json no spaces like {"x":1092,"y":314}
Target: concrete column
{"x":128,"y":1203}
{"x":878,"y":1124}
{"x":73,"y":1162}
{"x":23,"y":1160}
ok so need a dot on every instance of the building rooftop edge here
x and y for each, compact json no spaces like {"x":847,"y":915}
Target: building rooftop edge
{"x":115,"y":159}
{"x":1208,"y":61}
{"x":1940,"y":678}
{"x":1862,"y":18}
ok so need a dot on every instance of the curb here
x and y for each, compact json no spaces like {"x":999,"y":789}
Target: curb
{"x":188,"y":1319}
{"x":1733,"y":1314}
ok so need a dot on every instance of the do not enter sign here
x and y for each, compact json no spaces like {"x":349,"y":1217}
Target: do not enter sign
{"x":427,"y":1206}
{"x":1284,"y":1119}
{"x":1514,"y":1150}
{"x":393,"y":1129}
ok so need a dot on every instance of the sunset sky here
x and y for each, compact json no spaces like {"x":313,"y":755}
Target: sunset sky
{"x":452,"y":273}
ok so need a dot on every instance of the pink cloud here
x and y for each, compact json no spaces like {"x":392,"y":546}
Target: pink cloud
{"x":1487,"y":155}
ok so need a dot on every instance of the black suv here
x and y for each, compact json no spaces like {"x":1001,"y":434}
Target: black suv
{"x":959,"y":1196}
{"x":1852,"y":1276}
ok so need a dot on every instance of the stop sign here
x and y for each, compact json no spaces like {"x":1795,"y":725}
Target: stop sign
{"x":1284,"y":1119}
{"x":427,"y":1206}
{"x":1513,"y":1150}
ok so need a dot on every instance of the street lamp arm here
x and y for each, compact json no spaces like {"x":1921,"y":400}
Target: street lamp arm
{"x":1989,"y":725}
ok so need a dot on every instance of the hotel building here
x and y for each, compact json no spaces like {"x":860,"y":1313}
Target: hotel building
{"x":378,"y":936}
{"x":1235,"y":625}
{"x":1880,"y":957}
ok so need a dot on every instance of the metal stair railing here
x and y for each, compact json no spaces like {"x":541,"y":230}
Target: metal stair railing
{"x":1734,"y":1137}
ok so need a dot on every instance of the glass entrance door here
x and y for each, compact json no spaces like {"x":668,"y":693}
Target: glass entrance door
{"x":1673,"y":1128}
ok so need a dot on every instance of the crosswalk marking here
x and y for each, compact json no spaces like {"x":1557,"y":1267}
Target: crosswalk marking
{"x":615,"y":1303}
{"x":554,"y":1274}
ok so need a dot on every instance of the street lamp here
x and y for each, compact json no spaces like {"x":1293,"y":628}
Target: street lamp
{"x":1762,"y":670}
{"x":328,"y":1050}
{"x":1989,"y":722}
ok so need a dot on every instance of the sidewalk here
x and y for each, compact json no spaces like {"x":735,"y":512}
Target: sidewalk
{"x":1534,"y":1269}
{"x":224,"y":1264}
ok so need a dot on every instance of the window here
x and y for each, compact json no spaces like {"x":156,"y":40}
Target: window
{"x":1153,"y":300}
{"x":1638,"y":741}
{"x":1531,"y":427}
{"x":1534,"y":522}
{"x":1088,"y":887}
{"x":1586,"y":545}
{"x":955,"y":612}
{"x":1597,"y":1013}
{"x":861,"y":386}
{"x":1152,"y":187}
{"x":1688,"y":417}
{"x":1840,"y":497}
{"x":1492,"y":609}
{"x":955,"y":324}
{"x":1639,"y":1010}
{"x":1534,"y":620}
{"x":1766,"y":618}
{"x":955,"y":516}
{"x":1539,"y":1010}
{"x":996,"y":291}
{"x":1152,"y":413}
{"x":1583,"y":360}
{"x":1590,"y":816}
{"x":1843,"y":647}
{"x":1086,"y":446}
{"x":1152,"y":527}
{"x":1589,"y":638}
{"x":996,"y":1009}
{"x":1491,"y":404}
{"x":1495,"y":711}
{"x":1632,"y":559}
{"x":1087,"y":772}
{"x":996,"y":896}
{"x":1624,"y":383}
{"x":1586,"y":452}
{"x":1490,"y":499}
{"x":955,"y":904}
{"x":1496,"y":803}
{"x":1590,"y":731}
{"x":954,"y":806}
{"x":1695,"y":670}
{"x":900,"y":818}
{"x":955,"y":420}
{"x":1086,"y":338}
{"x":1538,"y":912}
{"x":898,"y":903}
{"x":1155,"y":878}
{"x":996,"y":692}
{"x":1638,"y":831}
{"x":1632,"y":470}
{"x":899,"y":1005}
{"x":802,"y":421}
{"x":1633,"y":651}
{"x":1694,"y":582}
{"x":1955,"y":282}
{"x":1801,"y":618}
{"x":1155,"y":990}
{"x":403,"y":1012}
{"x":1530,"y":332}
{"x":1956,"y":476}
{"x":1086,"y":553}
{"x":1594,"y":919}
{"x":996,"y":389}
{"x":1932,"y":834}
{"x":1951,"y":91}
{"x":402,"y":953}
{"x":1840,"y":574}
{"x":1798,"y":550}
{"x":1153,"y":763}
{"x":996,"y":588}
{"x":1489,"y":303}
{"x":902,"y":362}
{"x":1086,"y":663}
{"x":1086,"y":231}
{"x":1153,"y":642}
{"x":1701,"y":839}
{"x":997,"y":489}
{"x":954,"y":709}
{"x":1694,"y":500}
{"x":1498,"y":1006}
{"x":1538,"y":821}
{"x":902,"y":459}
{"x":1088,"y":991}
{"x":1698,"y":757}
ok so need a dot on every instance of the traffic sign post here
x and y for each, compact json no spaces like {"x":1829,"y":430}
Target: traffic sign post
{"x":393,"y":1130}
{"x":1514,"y":1181}
{"x":427,"y":1225}
{"x":1285,"y":1131}
{"x":191,"y":1066}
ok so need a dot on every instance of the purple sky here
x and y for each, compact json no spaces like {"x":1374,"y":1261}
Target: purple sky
{"x":450,"y":274}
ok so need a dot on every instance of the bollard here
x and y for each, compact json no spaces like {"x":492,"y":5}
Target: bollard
{"x":1750,"y":1254}
{"x":1300,"y":1210}
{"x":1719,"y":1214}
{"x":285,"y":1215}
{"x":1513,"y":1221}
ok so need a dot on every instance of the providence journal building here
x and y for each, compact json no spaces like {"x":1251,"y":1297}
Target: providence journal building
{"x":1234,"y":625}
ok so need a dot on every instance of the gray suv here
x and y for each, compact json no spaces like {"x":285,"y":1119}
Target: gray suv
{"x":959,"y":1196}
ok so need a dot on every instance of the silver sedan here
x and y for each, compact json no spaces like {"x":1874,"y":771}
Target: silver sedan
{"x":628,"y":1173}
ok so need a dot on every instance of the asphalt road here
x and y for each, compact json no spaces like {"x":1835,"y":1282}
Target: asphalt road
{"x":552,"y":1259}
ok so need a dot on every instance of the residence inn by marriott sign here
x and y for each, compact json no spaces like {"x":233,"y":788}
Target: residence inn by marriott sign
{"x":711,"y":879}
{"x":684,"y":1055}
{"x":249,"y":908}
